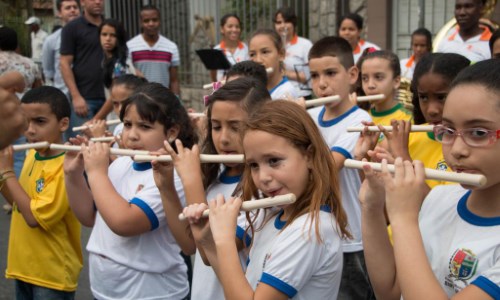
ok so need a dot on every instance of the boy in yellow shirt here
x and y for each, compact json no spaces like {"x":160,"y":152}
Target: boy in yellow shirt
{"x":44,"y":254}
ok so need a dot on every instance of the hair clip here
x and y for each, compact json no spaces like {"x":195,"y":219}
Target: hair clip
{"x":215,"y":86}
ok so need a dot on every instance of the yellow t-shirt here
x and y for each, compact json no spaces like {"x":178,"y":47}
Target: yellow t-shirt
{"x":49,"y":255}
{"x":398,"y":112}
{"x":422,"y":146}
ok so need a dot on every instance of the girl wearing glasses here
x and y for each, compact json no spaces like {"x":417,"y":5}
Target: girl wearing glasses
{"x":449,"y":245}
{"x":430,"y":86}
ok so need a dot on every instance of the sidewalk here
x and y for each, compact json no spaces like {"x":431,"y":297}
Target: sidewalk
{"x":7,"y":286}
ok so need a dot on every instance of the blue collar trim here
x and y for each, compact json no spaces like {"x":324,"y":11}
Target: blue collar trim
{"x":336,"y":120}
{"x":141,"y":166}
{"x":470,"y":217}
{"x":278,"y":224}
{"x":283,"y":81}
{"x":223,"y":178}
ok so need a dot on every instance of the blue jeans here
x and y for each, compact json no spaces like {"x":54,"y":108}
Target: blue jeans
{"x":93,"y":106}
{"x":355,"y":284}
{"x":28,"y":291}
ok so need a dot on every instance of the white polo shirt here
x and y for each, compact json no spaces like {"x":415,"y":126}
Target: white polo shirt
{"x":297,"y":52}
{"x":475,"y":49}
{"x":240,"y":54}
{"x":408,"y":67}
{"x":362,"y":45}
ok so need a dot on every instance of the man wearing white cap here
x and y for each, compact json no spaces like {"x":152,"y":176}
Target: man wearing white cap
{"x":38,"y":36}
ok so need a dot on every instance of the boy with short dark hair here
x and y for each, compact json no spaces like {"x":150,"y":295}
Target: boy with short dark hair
{"x":333,"y":73}
{"x":44,"y":255}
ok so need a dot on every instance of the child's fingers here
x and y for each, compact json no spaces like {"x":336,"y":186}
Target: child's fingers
{"x":179,"y":145}
{"x":409,"y":175}
{"x":220,"y":200}
{"x":169,"y":149}
{"x":419,"y":170}
{"x":385,"y":174}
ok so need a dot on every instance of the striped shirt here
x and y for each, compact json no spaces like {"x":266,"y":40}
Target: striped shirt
{"x":154,"y":61}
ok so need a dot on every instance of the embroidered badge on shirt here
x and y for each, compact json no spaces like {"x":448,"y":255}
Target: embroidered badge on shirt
{"x":40,"y":184}
{"x":463,"y":264}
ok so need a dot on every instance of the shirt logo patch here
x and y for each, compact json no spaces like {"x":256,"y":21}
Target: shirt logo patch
{"x":442,"y":166}
{"x":463,"y":264}
{"x":40,"y":184}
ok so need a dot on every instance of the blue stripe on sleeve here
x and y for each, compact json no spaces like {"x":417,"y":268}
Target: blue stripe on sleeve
{"x":240,"y":233}
{"x":487,"y":286}
{"x":281,"y":286}
{"x":342,"y":151}
{"x":148,"y":211}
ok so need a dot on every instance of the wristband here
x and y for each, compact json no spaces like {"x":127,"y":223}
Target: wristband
{"x":3,"y":172}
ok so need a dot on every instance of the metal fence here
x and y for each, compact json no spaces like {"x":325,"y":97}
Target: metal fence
{"x":194,"y":24}
{"x":408,"y":15}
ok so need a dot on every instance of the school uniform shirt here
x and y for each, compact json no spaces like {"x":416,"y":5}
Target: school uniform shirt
{"x":205,"y":282}
{"x":461,"y":247}
{"x":240,"y":54}
{"x":293,"y":260}
{"x":408,"y":67}
{"x":424,"y":147}
{"x":154,"y":61}
{"x":297,"y":52}
{"x":284,"y":90}
{"x":337,"y":138}
{"x":145,"y":266}
{"x":49,"y":255}
{"x":362,"y":45}
{"x":475,"y":49}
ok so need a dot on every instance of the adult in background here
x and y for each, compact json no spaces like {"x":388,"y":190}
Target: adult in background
{"x":297,"y":50}
{"x":81,"y":58}
{"x":235,"y":50}
{"x":38,"y":36}
{"x":153,"y":54}
{"x":469,"y":38}
{"x":350,"y":28}
{"x":12,"y":119}
{"x":67,"y":10}
{"x":10,"y":60}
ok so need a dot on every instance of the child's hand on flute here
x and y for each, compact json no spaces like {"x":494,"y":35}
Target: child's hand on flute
{"x":163,"y":173}
{"x":96,"y":158}
{"x":222,"y":217}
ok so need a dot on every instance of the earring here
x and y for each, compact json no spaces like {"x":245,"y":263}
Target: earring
{"x":170,"y":140}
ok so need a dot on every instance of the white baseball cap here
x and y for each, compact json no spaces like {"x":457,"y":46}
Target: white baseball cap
{"x":33,"y":20}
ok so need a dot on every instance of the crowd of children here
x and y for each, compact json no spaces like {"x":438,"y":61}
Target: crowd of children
{"x":333,"y":242}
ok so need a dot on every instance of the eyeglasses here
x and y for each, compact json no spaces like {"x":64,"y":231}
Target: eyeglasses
{"x":473,"y":137}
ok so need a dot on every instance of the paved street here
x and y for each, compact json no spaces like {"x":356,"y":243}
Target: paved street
{"x":7,"y":286}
